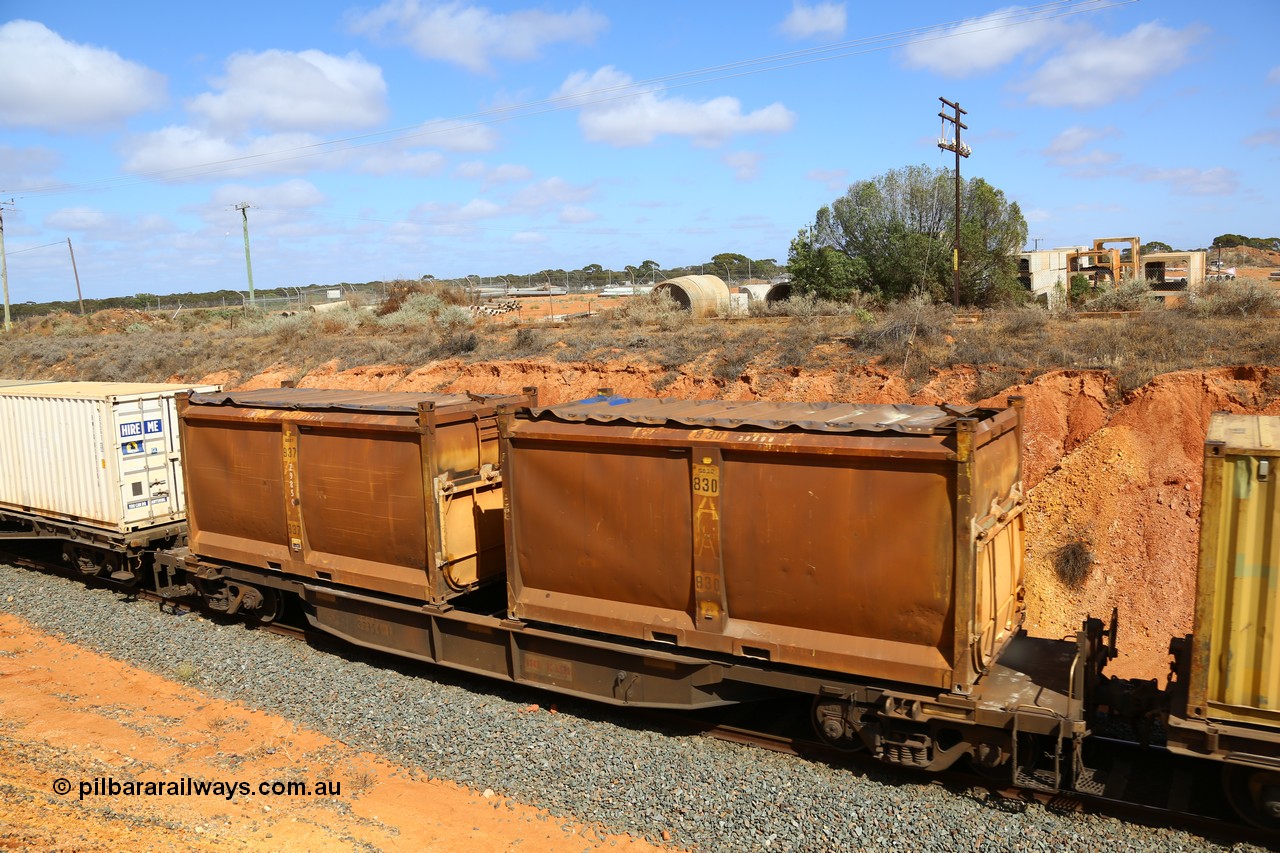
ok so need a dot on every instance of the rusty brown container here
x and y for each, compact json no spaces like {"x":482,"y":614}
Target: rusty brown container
{"x":397,"y":493}
{"x":881,"y":541}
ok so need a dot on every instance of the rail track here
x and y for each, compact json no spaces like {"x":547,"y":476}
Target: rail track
{"x":1152,"y":787}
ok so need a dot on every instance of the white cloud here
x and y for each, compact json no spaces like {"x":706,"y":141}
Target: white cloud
{"x":1075,"y":139}
{"x":175,"y":150}
{"x":477,"y":208}
{"x":457,"y":136}
{"x":294,"y":194}
{"x":528,"y":237}
{"x":1274,"y":77}
{"x":86,"y":219}
{"x":1265,"y":137}
{"x":1093,"y":72}
{"x":179,"y":153}
{"x":819,"y":19}
{"x":471,"y":170}
{"x":21,"y":168}
{"x":284,"y":91}
{"x":392,"y":162}
{"x":533,"y":198}
{"x":49,"y":82}
{"x":1037,"y":214}
{"x":506,"y":172}
{"x":1070,"y":150}
{"x":474,"y":36}
{"x":574,"y":215}
{"x":981,"y":44}
{"x":503,"y":173}
{"x":154,"y":223}
{"x":832,"y":179}
{"x":550,"y":192}
{"x":641,"y":118}
{"x":745,"y":164}
{"x":1215,"y":181}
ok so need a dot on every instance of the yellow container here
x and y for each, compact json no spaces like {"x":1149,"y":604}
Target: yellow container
{"x":1235,"y":665}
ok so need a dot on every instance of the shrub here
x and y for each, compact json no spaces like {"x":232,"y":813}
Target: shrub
{"x":992,"y":381}
{"x":1133,"y":294}
{"x":1025,"y":320}
{"x":653,"y":308}
{"x":455,"y":316}
{"x":528,"y":341}
{"x":903,"y":323}
{"x":1073,"y":560}
{"x":1240,"y":298}
{"x":857,"y":305}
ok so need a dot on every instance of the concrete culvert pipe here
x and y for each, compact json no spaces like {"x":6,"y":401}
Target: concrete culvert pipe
{"x":768,"y":293}
{"x":327,"y":306}
{"x":701,"y":295}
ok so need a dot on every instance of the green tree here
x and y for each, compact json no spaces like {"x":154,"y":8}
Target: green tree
{"x":900,"y":227}
{"x":1155,"y":246}
{"x":824,"y":271}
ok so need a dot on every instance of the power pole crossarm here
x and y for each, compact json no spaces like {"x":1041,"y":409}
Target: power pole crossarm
{"x":961,"y":150}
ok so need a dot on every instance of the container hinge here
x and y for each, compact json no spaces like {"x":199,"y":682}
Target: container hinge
{"x":1264,"y":470}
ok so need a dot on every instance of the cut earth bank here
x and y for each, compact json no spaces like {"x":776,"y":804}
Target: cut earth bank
{"x":1119,"y":473}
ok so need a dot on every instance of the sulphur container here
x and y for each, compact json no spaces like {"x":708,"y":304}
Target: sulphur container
{"x":883,"y":541}
{"x":1235,"y":659}
{"x":396,"y":493}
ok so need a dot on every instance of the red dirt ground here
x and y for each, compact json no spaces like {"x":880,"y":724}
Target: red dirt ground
{"x":72,"y":714}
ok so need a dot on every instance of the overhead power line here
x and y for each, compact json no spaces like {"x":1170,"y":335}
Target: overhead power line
{"x":1003,"y":19}
{"x":33,"y":248}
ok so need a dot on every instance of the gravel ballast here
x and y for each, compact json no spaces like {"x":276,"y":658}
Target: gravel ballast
{"x":585,"y":761}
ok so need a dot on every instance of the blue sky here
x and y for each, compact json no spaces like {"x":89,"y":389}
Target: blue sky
{"x":392,"y":140}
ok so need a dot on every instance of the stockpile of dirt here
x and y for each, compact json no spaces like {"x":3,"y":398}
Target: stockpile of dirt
{"x":1246,"y":256}
{"x":1115,"y":479}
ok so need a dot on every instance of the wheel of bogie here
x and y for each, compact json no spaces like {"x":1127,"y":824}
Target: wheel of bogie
{"x":998,"y":773}
{"x":271,"y":609}
{"x":829,"y":718}
{"x":1254,"y":793}
{"x":82,"y":560}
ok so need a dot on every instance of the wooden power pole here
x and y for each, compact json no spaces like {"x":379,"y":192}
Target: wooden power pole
{"x":4,"y":270}
{"x":243,"y":207}
{"x":76,"y":273}
{"x":961,"y":150}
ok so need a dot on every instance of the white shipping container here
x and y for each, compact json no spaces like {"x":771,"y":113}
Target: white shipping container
{"x":98,"y":454}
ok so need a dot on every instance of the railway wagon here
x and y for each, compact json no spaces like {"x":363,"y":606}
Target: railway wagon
{"x":1224,"y":698}
{"x":96,"y":465}
{"x":392,"y":493}
{"x":882,"y":541}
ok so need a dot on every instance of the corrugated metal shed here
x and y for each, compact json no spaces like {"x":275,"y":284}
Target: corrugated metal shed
{"x":322,"y":399}
{"x":725,"y":414}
